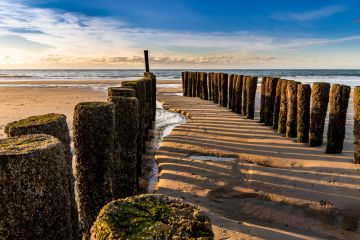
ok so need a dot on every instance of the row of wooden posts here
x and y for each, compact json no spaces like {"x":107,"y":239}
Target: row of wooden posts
{"x":37,"y":194}
{"x":294,"y":109}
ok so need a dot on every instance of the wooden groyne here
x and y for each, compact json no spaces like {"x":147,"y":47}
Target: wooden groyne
{"x":284,"y":105}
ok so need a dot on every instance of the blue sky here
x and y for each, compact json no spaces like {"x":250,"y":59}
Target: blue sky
{"x":180,"y":33}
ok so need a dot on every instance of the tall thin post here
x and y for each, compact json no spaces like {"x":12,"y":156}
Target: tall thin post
{"x":146,"y":55}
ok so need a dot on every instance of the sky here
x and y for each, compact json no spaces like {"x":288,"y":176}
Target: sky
{"x":180,"y":33}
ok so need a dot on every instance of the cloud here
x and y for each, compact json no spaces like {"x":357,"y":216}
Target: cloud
{"x":14,"y":41}
{"x":308,"y":15}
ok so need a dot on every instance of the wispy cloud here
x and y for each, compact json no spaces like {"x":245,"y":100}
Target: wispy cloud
{"x":308,"y":15}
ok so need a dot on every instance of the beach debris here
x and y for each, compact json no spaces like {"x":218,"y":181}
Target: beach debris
{"x":34,"y":196}
{"x":277,"y":101}
{"x":303,"y":112}
{"x":262,"y":99}
{"x":283,"y":108}
{"x":291,"y":118}
{"x":319,"y":103}
{"x":270,"y":92}
{"x":55,"y":125}
{"x":94,"y":127}
{"x":339,"y":101}
{"x":151,"y":216}
{"x":357,"y":125}
{"x":126,"y":131}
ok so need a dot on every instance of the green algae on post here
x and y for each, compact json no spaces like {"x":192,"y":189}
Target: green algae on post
{"x":270,"y":92}
{"x":320,"y":100}
{"x":121,"y":91}
{"x":357,"y":125}
{"x":277,"y":101}
{"x":303,"y":112}
{"x":283,"y":108}
{"x":127,"y":120}
{"x":55,"y":125}
{"x":291,"y":118}
{"x":151,"y":217}
{"x":339,"y":100}
{"x":94,"y":127}
{"x":34,"y":197}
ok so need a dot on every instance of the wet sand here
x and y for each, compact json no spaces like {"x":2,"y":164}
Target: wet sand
{"x":269,"y":187}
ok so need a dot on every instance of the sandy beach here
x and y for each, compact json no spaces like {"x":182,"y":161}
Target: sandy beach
{"x":253,"y":182}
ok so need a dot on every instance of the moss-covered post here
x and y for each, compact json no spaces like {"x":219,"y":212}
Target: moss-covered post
{"x":356,"y":98}
{"x":152,"y":96}
{"x":34,"y":190}
{"x":262,"y":99}
{"x":127,"y":121}
{"x":121,"y":91}
{"x":270,"y":92}
{"x":303,"y":112}
{"x":283,"y":108}
{"x":277,"y":101}
{"x":204,"y":86}
{"x":239,"y":94}
{"x":320,"y":100}
{"x":55,"y":125}
{"x":244,"y":95}
{"x":251,"y":94}
{"x":151,"y":217}
{"x":339,"y":101}
{"x":93,"y":128}
{"x":291,"y":118}
{"x":230,"y":88}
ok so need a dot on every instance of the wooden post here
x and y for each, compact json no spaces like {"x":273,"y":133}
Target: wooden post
{"x":210,"y":86}
{"x":251,"y":94}
{"x":34,"y":189}
{"x":224,"y":89}
{"x":204,"y":86}
{"x":146,"y":55}
{"x":291,"y":118}
{"x":357,"y":125}
{"x":277,"y":101}
{"x":239,"y":94}
{"x":303,"y":112}
{"x":231,"y":81}
{"x":320,"y":100}
{"x":283,"y":108}
{"x":244,"y":95}
{"x":270,"y":92}
{"x":339,"y":101}
{"x":262,"y":99}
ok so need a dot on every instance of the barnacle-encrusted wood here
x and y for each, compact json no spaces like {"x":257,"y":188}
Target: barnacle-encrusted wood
{"x":262,"y":99}
{"x":283,"y":108}
{"x":151,"y":217}
{"x":55,"y":125}
{"x":303,"y":112}
{"x":121,"y":91}
{"x":34,"y":190}
{"x":339,"y":101}
{"x":277,"y":101}
{"x":251,"y":94}
{"x":125,"y":145}
{"x":270,"y":92}
{"x":320,"y":100}
{"x":357,"y":125}
{"x":93,"y":128}
{"x":291,"y":118}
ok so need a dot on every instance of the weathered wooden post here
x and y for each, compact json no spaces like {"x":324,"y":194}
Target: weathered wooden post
{"x":34,"y":189}
{"x":216,"y":88}
{"x":262,"y":99}
{"x":320,"y":100}
{"x":244,"y":96}
{"x":270,"y":92}
{"x":224,"y":89}
{"x":210,"y":86}
{"x":194,"y":84}
{"x":277,"y":101}
{"x":146,"y":56}
{"x":200,"y":83}
{"x":189,"y":84}
{"x":230,"y":88}
{"x":239,"y":93}
{"x":93,"y":128}
{"x":303,"y":112}
{"x":127,"y":122}
{"x":251,"y":94}
{"x":233,"y":99}
{"x":357,"y":125}
{"x":204,"y":90}
{"x":54,"y":125}
{"x":184,"y":83}
{"x":339,"y":101}
{"x":121,"y":91}
{"x":283,"y":108}
{"x":152,"y":77}
{"x":175,"y":219}
{"x":291,"y":118}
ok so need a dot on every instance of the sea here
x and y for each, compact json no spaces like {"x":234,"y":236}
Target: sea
{"x":349,"y":77}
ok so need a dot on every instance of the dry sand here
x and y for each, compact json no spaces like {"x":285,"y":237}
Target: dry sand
{"x":270,"y":188}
